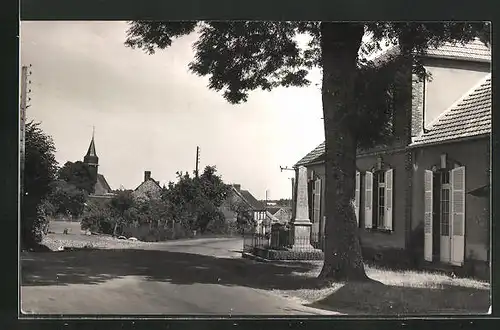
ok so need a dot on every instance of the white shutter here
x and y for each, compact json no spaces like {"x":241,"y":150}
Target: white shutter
{"x":428,"y":208}
{"x":293,"y":198}
{"x":368,"y":199}
{"x":457,"y":180}
{"x":388,"y":200}
{"x":316,"y":208}
{"x":357,"y":196}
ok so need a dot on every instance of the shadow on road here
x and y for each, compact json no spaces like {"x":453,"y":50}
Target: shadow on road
{"x":379,"y":299}
{"x":97,"y":266}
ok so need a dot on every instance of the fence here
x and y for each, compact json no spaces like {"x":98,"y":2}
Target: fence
{"x":280,"y":237}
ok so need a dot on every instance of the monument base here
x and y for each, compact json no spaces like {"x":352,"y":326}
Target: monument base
{"x":301,"y":237}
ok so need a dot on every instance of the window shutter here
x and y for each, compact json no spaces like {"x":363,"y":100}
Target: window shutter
{"x":317,"y":201}
{"x":428,"y":215}
{"x":357,"y":196}
{"x":368,"y":199}
{"x":293,"y":198}
{"x":389,"y":196}
{"x":457,"y":180}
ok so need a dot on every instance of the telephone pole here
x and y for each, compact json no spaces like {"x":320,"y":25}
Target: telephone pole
{"x":22,"y":120}
{"x":197,"y":160}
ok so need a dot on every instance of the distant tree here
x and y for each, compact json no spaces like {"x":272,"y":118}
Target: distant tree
{"x":240,"y":57}
{"x":39,"y":171}
{"x":78,"y":174}
{"x":120,"y":205}
{"x":66,"y":198}
{"x":195,"y":201}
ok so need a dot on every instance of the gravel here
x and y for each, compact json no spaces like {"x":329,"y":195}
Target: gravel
{"x":57,"y":241}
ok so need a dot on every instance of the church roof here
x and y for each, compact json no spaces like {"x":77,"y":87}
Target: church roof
{"x":91,"y":152}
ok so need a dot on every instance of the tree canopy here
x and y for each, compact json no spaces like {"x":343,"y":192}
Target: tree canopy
{"x":39,"y":172}
{"x":239,"y":57}
{"x":78,"y":174}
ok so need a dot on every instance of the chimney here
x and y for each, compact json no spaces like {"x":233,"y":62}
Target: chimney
{"x":237,"y":186}
{"x":147,"y":175}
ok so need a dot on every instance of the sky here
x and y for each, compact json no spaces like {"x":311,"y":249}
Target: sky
{"x":150,"y":112}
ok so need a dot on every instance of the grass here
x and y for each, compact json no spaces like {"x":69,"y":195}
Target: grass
{"x":402,"y":293}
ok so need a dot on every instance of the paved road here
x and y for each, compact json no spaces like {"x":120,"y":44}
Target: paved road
{"x":186,"y":277}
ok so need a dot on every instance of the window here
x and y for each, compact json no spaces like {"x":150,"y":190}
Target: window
{"x":445,"y":203}
{"x":379,"y":199}
{"x":379,"y":202}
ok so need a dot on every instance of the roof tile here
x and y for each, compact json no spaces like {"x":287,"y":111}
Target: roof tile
{"x":469,"y":117}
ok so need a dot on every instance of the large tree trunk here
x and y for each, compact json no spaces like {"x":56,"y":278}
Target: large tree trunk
{"x":340,"y":43}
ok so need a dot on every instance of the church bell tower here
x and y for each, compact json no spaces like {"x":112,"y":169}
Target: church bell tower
{"x":91,"y":158}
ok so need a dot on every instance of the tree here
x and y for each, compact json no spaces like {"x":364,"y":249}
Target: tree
{"x":120,"y":204}
{"x":240,"y":57}
{"x":78,"y":174}
{"x":39,"y":171}
{"x":66,"y":198}
{"x":196,"y":201}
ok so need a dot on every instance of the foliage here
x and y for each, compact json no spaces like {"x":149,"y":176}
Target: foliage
{"x":239,"y":57}
{"x":196,"y":201}
{"x":98,"y":217}
{"x":187,"y":205}
{"x":66,"y":198}
{"x":39,"y":171}
{"x":79,"y":174}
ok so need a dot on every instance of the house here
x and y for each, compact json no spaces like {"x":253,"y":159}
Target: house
{"x":281,"y":213}
{"x":415,"y":196}
{"x":240,"y":200}
{"x":149,"y":188}
{"x":102,"y":190}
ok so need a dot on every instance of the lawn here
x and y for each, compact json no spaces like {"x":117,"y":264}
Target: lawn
{"x":401,"y":293}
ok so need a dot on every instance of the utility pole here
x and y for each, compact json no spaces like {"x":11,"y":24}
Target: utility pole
{"x":197,"y":160}
{"x":22,"y":121}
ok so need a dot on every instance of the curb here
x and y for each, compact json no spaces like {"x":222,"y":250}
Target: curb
{"x":250,"y":256}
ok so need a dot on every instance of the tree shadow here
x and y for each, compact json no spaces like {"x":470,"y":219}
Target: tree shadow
{"x":97,"y":266}
{"x":380,"y":299}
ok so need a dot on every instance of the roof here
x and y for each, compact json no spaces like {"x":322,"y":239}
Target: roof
{"x":254,"y":203}
{"x":312,"y":156}
{"x":475,"y":51}
{"x":469,"y":117}
{"x":150,"y":179}
{"x":273,"y":210}
{"x":103,"y":182}
{"x":91,"y":151}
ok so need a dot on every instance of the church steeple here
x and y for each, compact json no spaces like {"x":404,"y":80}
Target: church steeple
{"x":91,"y":158}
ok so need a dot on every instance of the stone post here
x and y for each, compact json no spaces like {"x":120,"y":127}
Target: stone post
{"x":301,"y":224}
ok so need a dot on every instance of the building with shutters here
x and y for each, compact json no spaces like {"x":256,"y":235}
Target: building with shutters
{"x":412,"y":197}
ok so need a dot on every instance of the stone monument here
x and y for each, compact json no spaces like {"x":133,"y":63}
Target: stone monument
{"x":301,"y":224}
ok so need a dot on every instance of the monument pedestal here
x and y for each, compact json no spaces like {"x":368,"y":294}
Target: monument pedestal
{"x":301,"y":236}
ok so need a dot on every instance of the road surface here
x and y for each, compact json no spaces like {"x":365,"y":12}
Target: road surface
{"x":206,"y":276}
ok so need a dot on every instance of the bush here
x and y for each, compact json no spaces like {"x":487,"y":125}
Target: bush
{"x":34,"y":224}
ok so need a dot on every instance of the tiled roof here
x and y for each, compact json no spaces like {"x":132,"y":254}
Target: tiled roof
{"x":103,"y":182}
{"x":273,"y":209}
{"x":469,"y":117}
{"x":254,"y":203}
{"x":312,"y":156}
{"x":473,"y":51}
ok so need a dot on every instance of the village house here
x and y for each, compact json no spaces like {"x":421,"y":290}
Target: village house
{"x":282,"y":214}
{"x":240,"y":200}
{"x":424,"y":197}
{"x":149,"y":188}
